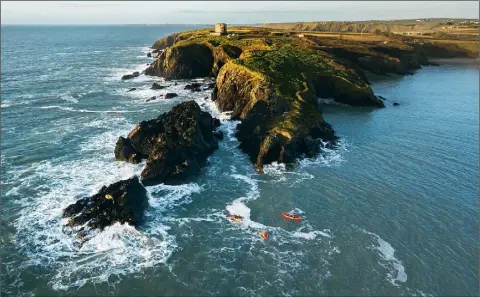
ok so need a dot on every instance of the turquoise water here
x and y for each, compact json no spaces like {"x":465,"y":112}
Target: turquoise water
{"x":393,"y":211}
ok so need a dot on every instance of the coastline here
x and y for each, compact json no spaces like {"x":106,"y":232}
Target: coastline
{"x":457,"y":61}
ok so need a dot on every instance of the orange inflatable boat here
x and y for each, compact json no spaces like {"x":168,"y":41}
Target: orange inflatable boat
{"x":291,"y":217}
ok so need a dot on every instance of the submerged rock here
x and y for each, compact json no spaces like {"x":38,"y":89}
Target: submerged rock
{"x":170,"y":95}
{"x":123,"y":202}
{"x":157,"y":86}
{"x":194,"y":87}
{"x":176,"y":144}
{"x":396,"y":104}
{"x":151,"y":98}
{"x":131,"y":89}
{"x":130,"y":76}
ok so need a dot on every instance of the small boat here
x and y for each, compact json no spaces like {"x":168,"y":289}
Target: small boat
{"x":291,"y":217}
{"x":264,"y":235}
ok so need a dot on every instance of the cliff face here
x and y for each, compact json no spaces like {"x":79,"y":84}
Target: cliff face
{"x":273,"y":127}
{"x":271,"y":83}
{"x":189,"y":61}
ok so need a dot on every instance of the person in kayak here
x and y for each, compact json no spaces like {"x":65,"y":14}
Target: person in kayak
{"x":291,"y":216}
{"x":264,"y":235}
{"x":236,"y":218}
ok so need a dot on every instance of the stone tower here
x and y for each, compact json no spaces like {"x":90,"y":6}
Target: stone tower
{"x":221,"y":28}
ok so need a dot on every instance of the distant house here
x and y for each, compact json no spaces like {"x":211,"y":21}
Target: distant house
{"x":300,"y":35}
{"x":220,"y":29}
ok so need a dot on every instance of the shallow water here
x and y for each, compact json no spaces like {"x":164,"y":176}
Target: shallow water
{"x":392,"y":211}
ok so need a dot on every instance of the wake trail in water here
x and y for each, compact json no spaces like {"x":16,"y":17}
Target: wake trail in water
{"x":385,"y":250}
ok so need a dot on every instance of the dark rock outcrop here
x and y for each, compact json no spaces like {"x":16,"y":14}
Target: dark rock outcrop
{"x":176,"y":144}
{"x":194,"y":87}
{"x":123,"y":202}
{"x":396,"y":104}
{"x":130,"y":76}
{"x":151,"y":98}
{"x":157,"y":86}
{"x":125,"y":152}
{"x":170,"y":95}
{"x":149,"y":55}
{"x":131,"y":89}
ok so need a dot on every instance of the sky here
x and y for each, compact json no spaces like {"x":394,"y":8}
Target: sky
{"x":239,"y":12}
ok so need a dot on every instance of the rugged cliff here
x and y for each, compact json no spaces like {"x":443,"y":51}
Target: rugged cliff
{"x":271,"y":82}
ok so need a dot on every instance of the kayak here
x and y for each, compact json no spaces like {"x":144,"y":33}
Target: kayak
{"x":264,"y":235}
{"x":291,"y":217}
{"x":236,"y":218}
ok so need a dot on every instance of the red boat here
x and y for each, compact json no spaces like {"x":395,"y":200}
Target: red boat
{"x":291,"y":217}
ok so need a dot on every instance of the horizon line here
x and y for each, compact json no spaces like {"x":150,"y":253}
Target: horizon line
{"x":176,"y":24}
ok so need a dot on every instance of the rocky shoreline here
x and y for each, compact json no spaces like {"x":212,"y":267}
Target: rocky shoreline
{"x":269,"y":83}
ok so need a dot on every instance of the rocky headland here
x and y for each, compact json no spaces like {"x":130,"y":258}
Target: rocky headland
{"x":270,"y":81}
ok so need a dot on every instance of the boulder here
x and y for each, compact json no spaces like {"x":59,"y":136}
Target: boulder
{"x":149,"y":55}
{"x":176,"y":144}
{"x":170,"y":95}
{"x":130,"y":76}
{"x":151,"y":99}
{"x":157,"y":86}
{"x":396,"y":104}
{"x":131,"y":89}
{"x":123,"y":202}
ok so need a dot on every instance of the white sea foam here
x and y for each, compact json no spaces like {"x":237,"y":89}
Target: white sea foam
{"x":67,"y":108}
{"x":387,"y":253}
{"x":68,"y":97}
{"x":115,"y":74}
{"x":328,"y":157}
{"x":119,"y":249}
